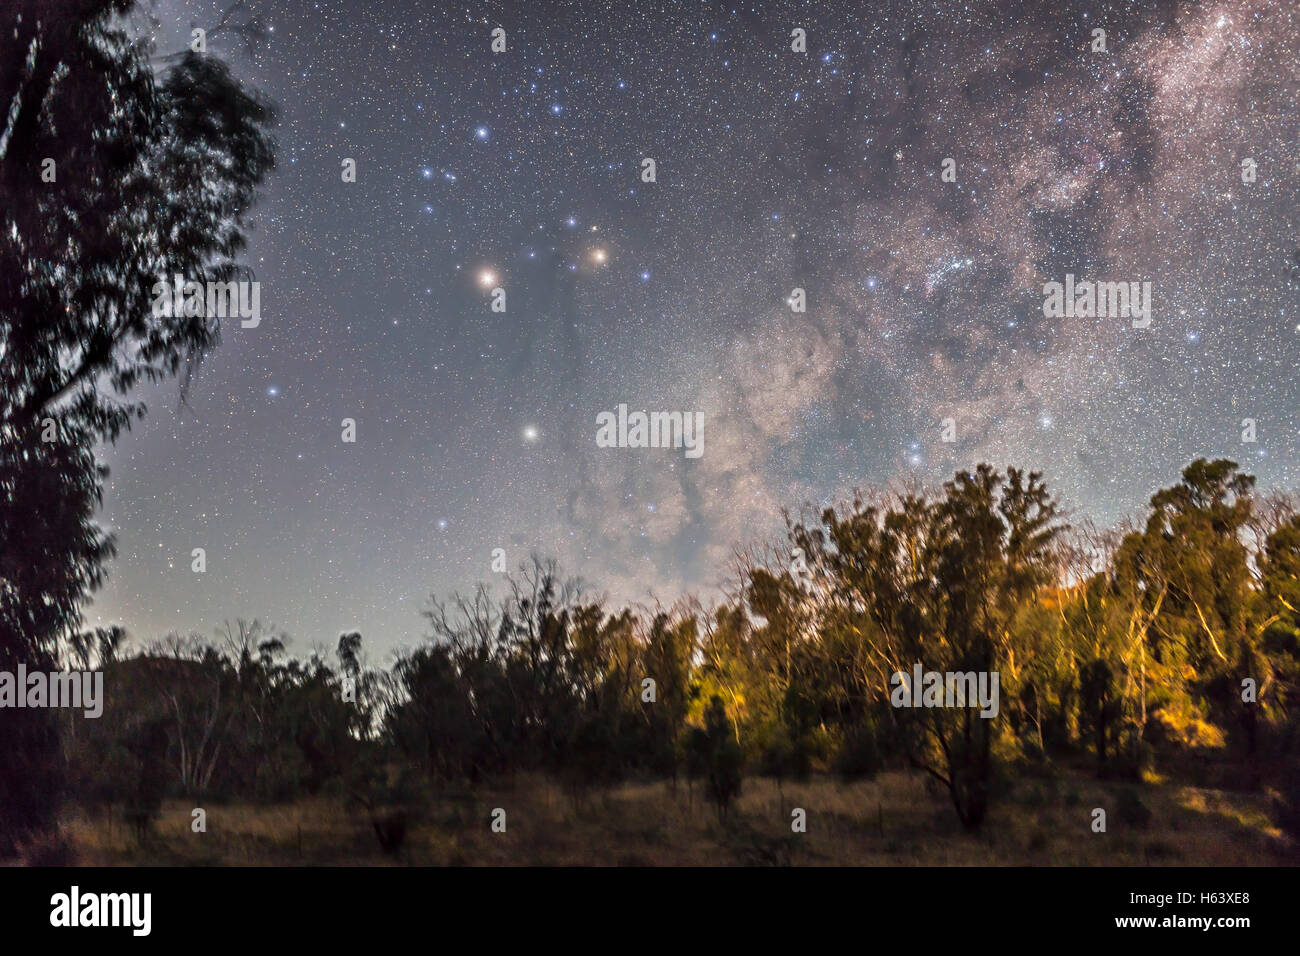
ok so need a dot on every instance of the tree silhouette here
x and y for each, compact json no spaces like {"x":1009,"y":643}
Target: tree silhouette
{"x":111,"y":177}
{"x":724,"y":761}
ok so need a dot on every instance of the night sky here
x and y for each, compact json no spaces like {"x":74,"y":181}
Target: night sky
{"x":775,"y":170}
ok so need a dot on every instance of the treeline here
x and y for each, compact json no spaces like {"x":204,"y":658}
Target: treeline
{"x":1172,"y":645}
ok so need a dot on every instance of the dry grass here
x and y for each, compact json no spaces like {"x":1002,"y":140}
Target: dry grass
{"x":895,"y":820}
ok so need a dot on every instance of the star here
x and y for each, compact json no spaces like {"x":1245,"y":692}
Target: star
{"x":925,"y":297}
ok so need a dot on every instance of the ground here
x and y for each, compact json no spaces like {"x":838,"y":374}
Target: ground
{"x":894,"y":820}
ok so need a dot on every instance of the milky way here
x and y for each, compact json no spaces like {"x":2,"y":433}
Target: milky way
{"x":775,"y":170}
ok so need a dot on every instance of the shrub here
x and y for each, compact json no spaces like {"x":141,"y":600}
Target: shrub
{"x":724,"y":760}
{"x":859,"y":757}
{"x":1286,"y":805}
{"x":391,"y":806}
{"x":1130,"y":810}
{"x":147,"y":744}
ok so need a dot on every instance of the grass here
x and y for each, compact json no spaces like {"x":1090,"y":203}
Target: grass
{"x":896,"y":820}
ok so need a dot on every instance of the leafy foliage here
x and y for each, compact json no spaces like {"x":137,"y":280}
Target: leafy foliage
{"x":112,"y":175}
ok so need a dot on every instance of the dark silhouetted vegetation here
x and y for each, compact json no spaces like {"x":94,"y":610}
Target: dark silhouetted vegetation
{"x":114,"y":170}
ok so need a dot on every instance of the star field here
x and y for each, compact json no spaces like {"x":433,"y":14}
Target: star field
{"x":775,"y":170}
